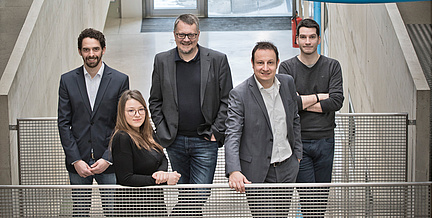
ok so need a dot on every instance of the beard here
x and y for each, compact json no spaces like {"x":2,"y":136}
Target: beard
{"x":92,"y":64}
{"x":187,"y":48}
{"x":189,"y":51}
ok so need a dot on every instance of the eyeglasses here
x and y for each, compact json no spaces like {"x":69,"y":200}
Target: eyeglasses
{"x":183,"y":35}
{"x":132,"y":112}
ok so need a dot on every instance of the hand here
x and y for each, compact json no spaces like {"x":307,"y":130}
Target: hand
{"x":237,"y":181}
{"x":83,"y":169}
{"x":160,"y":177}
{"x":212,"y":138}
{"x":173,"y":178}
{"x":323,"y":96}
{"x":99,"y":166}
{"x":299,"y":160}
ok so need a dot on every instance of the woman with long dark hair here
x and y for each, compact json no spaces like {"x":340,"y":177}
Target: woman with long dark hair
{"x":138,"y":159}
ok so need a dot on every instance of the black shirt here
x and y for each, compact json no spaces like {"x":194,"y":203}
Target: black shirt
{"x":188,"y":81}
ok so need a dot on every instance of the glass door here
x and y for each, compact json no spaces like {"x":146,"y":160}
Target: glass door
{"x":173,"y":8}
{"x":250,"y":8}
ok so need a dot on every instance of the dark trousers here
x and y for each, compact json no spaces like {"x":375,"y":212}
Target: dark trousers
{"x":82,"y":197}
{"x":274,"y":202}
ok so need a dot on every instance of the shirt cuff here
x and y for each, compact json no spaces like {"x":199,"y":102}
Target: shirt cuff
{"x":108,"y":162}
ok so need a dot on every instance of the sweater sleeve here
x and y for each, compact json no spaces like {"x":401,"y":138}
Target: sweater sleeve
{"x":122,"y":152}
{"x":285,"y":69}
{"x":336,"y":95}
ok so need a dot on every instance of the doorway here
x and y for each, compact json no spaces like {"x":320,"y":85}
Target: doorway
{"x":173,"y":8}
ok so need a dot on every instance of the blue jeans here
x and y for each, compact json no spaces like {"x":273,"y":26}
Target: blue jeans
{"x":82,"y":197}
{"x":194,"y":158}
{"x":317,"y":163}
{"x":101,"y":179}
{"x":315,"y":167}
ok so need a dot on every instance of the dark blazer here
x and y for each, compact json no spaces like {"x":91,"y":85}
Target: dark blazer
{"x":82,"y":129}
{"x":214,"y":91}
{"x":249,"y":137}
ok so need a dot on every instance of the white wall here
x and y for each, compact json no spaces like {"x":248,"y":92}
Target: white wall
{"x":381,"y":71}
{"x":45,"y":49}
{"x":131,"y":8}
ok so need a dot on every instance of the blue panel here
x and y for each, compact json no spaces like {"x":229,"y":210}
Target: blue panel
{"x":366,"y":1}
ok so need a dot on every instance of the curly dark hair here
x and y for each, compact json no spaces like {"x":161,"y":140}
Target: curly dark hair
{"x":91,"y":33}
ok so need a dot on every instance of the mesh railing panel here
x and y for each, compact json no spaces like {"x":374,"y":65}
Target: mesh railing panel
{"x":41,"y":156}
{"x":368,"y":148}
{"x":218,"y":200}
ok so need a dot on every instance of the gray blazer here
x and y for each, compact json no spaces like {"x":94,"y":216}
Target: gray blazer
{"x":249,"y":137}
{"x":214,"y":91}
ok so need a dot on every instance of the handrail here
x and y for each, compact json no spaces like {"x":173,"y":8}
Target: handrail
{"x":221,"y":185}
{"x":337,"y":114}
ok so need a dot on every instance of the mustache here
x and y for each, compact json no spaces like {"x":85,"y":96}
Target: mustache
{"x":93,"y":57}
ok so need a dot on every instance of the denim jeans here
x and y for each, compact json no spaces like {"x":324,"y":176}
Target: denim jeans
{"x":82,"y":197}
{"x":315,"y":167}
{"x":194,"y":158}
{"x":101,"y":179}
{"x":317,"y":163}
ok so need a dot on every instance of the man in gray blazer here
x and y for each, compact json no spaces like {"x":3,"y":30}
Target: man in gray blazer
{"x":188,"y":102}
{"x":263,"y":143}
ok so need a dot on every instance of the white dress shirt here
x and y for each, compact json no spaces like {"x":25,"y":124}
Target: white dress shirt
{"x":92,"y":84}
{"x":276,"y":113}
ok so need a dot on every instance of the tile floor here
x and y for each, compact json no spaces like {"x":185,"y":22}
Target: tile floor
{"x":132,"y":52}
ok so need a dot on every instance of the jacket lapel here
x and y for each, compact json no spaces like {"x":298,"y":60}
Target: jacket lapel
{"x":105,"y":81}
{"x":81,"y":83}
{"x":171,"y":73}
{"x":284,"y":91}
{"x":258,"y":97}
{"x":205,"y":64}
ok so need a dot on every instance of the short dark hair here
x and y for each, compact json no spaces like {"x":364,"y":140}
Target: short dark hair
{"x":91,"y":33}
{"x":265,"y":46}
{"x":189,"y":19}
{"x":308,"y":23}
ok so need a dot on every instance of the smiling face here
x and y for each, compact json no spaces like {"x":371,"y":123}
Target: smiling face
{"x":308,"y":40}
{"x":265,"y":65}
{"x":186,"y":45}
{"x":135,"y":114}
{"x":91,"y":52}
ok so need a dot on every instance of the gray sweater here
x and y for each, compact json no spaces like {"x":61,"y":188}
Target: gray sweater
{"x":324,"y":77}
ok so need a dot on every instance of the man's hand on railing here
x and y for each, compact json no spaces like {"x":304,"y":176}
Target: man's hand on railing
{"x":83,"y":169}
{"x":237,"y":181}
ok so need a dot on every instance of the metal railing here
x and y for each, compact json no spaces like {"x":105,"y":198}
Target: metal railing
{"x":368,"y":148}
{"x":218,"y":200}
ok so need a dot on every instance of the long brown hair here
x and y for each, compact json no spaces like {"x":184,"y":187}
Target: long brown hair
{"x":143,"y":138}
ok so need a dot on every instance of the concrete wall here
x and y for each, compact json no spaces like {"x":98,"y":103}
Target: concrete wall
{"x":12,"y":16}
{"x":381,"y":71}
{"x":46,"y":47}
{"x":416,"y":12}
